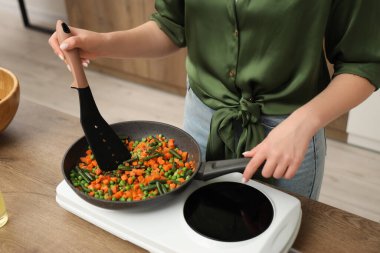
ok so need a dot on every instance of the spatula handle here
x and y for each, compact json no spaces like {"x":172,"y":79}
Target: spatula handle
{"x":72,"y":57}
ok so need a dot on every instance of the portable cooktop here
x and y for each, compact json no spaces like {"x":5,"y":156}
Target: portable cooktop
{"x":219,"y":215}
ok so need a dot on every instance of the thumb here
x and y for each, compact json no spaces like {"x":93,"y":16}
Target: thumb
{"x":70,"y":43}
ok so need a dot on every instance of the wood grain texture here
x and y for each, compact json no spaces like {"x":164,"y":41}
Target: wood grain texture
{"x":330,"y":229}
{"x":166,"y":73}
{"x":31,"y":151}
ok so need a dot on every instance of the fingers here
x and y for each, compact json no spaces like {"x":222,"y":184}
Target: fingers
{"x":252,"y":167}
{"x":291,"y":171}
{"x":67,"y":44}
{"x":54,"y":44}
{"x":276,"y":166}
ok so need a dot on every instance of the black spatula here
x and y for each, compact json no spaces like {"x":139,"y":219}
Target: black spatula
{"x":108,"y":149}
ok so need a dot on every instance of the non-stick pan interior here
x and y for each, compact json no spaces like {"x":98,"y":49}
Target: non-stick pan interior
{"x":134,"y":130}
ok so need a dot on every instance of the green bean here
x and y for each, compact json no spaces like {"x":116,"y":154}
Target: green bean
{"x":152,"y":156}
{"x":188,"y":173}
{"x":81,"y":174}
{"x":163,"y":188}
{"x":123,"y":167}
{"x":89,"y":175}
{"x":157,"y":180}
{"x":159,"y":188}
{"x":174,"y":153}
{"x":132,"y":159}
{"x":149,"y":187}
{"x":150,"y":151}
{"x":84,"y":188}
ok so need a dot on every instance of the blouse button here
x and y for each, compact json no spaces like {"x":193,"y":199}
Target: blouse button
{"x":236,"y":32}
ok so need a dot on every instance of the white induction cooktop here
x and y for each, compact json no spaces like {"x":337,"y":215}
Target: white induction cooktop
{"x":162,"y":227}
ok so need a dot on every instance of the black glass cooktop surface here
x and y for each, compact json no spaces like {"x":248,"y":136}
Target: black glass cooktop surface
{"x":228,"y":211}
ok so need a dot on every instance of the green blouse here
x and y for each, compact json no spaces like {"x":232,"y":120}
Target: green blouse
{"x":252,"y":57}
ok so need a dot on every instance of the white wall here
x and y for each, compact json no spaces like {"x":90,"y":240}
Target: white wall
{"x":363,"y":124}
{"x":40,"y":12}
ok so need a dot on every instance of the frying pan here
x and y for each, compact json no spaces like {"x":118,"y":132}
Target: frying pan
{"x":137,"y":130}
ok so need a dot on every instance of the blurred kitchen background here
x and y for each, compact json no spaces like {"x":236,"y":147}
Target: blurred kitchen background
{"x":154,"y":89}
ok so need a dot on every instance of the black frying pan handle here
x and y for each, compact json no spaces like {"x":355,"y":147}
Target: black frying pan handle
{"x":212,"y":169}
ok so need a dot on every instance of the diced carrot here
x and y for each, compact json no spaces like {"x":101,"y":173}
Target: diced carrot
{"x":130,"y":180}
{"x":124,"y":177}
{"x":127,"y":194}
{"x":114,"y":189}
{"x":171,"y":143}
{"x":90,"y":166}
{"x":106,"y":181}
{"x":118,"y":195}
{"x":160,"y":160}
{"x":88,"y":151}
{"x":167,"y":167}
{"x":98,"y":171}
{"x":167,"y":155}
{"x":104,"y":188}
{"x":139,"y":172}
{"x":184,"y":156}
{"x":91,"y":193}
{"x":88,"y":159}
{"x":172,"y":186}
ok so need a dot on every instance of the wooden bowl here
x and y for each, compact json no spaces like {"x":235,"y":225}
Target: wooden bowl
{"x":9,"y":97}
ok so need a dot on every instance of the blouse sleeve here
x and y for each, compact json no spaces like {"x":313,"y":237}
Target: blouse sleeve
{"x":169,"y":16}
{"x":353,"y":38}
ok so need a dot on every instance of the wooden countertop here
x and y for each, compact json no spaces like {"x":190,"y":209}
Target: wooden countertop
{"x":31,"y":151}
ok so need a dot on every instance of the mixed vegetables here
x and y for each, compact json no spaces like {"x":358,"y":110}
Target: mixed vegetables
{"x":156,"y":167}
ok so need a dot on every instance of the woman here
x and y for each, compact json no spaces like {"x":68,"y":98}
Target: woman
{"x":257,"y":65}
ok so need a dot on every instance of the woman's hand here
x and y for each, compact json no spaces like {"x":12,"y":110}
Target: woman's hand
{"x":282,"y":151}
{"x":285,"y":146}
{"x":88,"y":43}
{"x":144,"y":41}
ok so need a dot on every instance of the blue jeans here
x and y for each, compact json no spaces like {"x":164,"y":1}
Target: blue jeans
{"x":308,"y":179}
